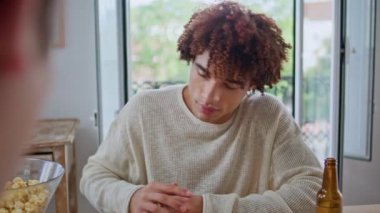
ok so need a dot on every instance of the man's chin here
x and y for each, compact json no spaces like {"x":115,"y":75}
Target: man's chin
{"x":206,"y":118}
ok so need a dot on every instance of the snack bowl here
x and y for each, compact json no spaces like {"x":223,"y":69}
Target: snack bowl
{"x":32,"y":188}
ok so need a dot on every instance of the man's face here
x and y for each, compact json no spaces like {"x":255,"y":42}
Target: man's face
{"x":212,"y":99}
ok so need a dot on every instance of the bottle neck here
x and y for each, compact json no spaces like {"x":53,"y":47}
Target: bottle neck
{"x":330,"y":178}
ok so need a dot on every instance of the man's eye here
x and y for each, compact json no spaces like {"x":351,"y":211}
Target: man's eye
{"x":201,"y":73}
{"x":232,"y":86}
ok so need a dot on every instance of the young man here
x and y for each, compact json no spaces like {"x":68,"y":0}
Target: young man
{"x":24,"y":39}
{"x":210,"y":145}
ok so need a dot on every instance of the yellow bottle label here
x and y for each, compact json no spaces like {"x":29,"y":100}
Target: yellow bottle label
{"x":328,"y":210}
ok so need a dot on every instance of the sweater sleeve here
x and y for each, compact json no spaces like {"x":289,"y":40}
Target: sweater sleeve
{"x":296,"y":177}
{"x":114,"y":172}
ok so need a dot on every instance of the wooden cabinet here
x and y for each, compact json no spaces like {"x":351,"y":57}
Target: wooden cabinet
{"x":54,"y":140}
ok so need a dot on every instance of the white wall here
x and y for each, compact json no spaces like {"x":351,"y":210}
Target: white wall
{"x":361,"y":178}
{"x":73,"y":91}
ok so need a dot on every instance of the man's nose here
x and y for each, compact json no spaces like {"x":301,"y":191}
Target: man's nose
{"x":210,"y":92}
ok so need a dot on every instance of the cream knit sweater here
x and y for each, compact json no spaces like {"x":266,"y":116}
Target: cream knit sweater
{"x":255,"y":162}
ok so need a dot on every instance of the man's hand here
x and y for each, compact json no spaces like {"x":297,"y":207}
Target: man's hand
{"x":158,"y":197}
{"x":194,"y":204}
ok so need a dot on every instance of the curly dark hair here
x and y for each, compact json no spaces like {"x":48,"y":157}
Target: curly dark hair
{"x":238,"y":40}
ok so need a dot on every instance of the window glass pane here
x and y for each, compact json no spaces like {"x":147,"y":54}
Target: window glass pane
{"x":156,"y":25}
{"x":358,"y":78}
{"x":317,"y":65}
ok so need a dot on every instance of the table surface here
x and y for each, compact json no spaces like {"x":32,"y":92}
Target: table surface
{"x":372,"y":208}
{"x":54,"y":132}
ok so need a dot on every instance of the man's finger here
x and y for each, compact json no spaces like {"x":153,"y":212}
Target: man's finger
{"x":151,"y":207}
{"x":172,"y":190}
{"x":174,"y":202}
{"x":164,"y":209}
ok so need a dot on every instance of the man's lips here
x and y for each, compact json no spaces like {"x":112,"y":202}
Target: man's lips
{"x":207,"y":109}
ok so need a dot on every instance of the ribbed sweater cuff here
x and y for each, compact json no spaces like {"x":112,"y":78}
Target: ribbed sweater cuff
{"x":126,"y":202}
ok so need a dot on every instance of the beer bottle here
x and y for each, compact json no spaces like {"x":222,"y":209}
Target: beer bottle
{"x":329,"y":198}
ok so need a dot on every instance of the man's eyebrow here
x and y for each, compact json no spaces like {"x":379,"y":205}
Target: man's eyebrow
{"x":201,"y":67}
